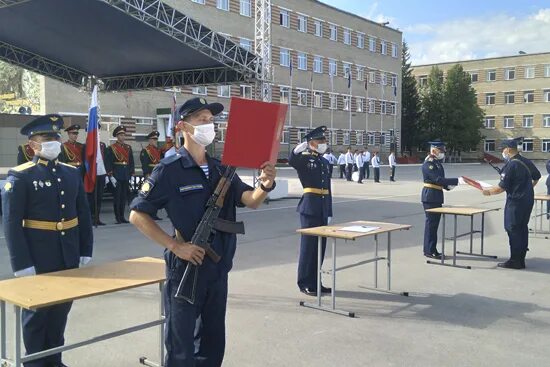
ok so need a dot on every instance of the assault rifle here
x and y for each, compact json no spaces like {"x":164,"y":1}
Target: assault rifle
{"x":205,"y":232}
{"x":496,"y":168}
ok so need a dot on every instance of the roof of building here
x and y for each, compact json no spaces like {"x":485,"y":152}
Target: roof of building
{"x":482,"y":59}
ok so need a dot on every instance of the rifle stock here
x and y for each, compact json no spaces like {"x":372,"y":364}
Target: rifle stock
{"x":496,"y":168}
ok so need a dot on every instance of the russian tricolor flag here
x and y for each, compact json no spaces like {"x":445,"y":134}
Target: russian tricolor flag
{"x":92,"y":157}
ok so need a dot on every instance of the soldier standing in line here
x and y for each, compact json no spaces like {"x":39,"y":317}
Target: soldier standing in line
{"x":150,"y":157}
{"x":72,"y":152}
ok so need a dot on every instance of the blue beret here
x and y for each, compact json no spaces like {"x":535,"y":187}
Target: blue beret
{"x":197,"y":104}
{"x":317,"y":133}
{"x":43,"y":125}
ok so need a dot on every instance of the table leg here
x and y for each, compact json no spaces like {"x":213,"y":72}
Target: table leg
{"x":333,"y":290}
{"x":388,"y":261}
{"x":443,"y":240}
{"x":454,"y":240}
{"x":376,"y":262}
{"x":162,"y":326}
{"x":319,"y":251}
{"x":535,"y":219}
{"x":17,"y":337}
{"x":3,"y":354}
{"x":482,"y":231}
{"x":472,"y":234}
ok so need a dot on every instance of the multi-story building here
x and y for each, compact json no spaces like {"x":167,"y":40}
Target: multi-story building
{"x":332,"y":67}
{"x":514,"y":93}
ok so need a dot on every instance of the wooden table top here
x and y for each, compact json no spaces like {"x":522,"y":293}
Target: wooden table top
{"x":460,"y":210}
{"x":542,"y":197}
{"x":334,"y":231}
{"x":68,"y":285}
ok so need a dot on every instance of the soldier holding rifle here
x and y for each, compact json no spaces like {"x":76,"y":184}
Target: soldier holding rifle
{"x":183,"y":184}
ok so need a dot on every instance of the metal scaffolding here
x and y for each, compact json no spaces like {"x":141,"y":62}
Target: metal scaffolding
{"x":262,"y":48}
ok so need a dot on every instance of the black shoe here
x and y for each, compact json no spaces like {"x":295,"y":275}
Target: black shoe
{"x":308,"y":291}
{"x":123,"y":220}
{"x":99,"y":223}
{"x":512,"y":264}
{"x":435,"y":255}
{"x":325,"y":289}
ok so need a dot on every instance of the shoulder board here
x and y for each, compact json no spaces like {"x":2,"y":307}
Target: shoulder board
{"x":23,"y":166}
{"x":306,"y":153}
{"x":66,"y":165}
{"x":169,"y":160}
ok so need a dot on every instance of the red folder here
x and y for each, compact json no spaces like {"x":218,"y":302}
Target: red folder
{"x":472,"y":183}
{"x":253,"y":133}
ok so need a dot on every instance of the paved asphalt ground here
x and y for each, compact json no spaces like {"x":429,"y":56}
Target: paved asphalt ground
{"x":454,"y":317}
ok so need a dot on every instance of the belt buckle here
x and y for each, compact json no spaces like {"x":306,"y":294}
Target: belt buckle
{"x":59,"y":226}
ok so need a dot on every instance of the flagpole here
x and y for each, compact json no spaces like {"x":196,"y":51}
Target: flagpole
{"x":395,"y":116}
{"x":367,"y":107}
{"x":330,"y":102}
{"x":350,"y":100}
{"x":312,"y":101}
{"x":381,"y":113}
{"x":290,"y":93}
{"x":96,"y":204}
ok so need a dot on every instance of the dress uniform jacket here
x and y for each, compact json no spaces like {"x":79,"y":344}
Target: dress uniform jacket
{"x":150,"y":157}
{"x":24,"y":154}
{"x":435,"y":181}
{"x":45,"y":193}
{"x":73,"y":154}
{"x":119,"y":161}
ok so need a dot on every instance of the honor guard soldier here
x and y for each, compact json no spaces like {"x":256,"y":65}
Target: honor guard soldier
{"x":432,"y":195}
{"x":182,"y":184}
{"x":315,"y":206}
{"x":95,"y":197}
{"x":518,"y":178}
{"x":119,"y":164}
{"x":48,"y":228}
{"x":72,"y":152}
{"x":150,"y":155}
{"x":24,"y":153}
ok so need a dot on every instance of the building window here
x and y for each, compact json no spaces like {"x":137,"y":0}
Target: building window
{"x":529,"y":96}
{"x":246,"y":44}
{"x":490,"y":122}
{"x":546,"y":121}
{"x":301,"y":134}
{"x":199,"y":1}
{"x":202,"y":90}
{"x":318,"y":64}
{"x":359,"y":102}
{"x":347,"y":36}
{"x":332,"y":67}
{"x":223,"y":5}
{"x":318,"y":99}
{"x":302,"y":23}
{"x":508,"y":122}
{"x":491,"y":75}
{"x":489,"y":98}
{"x":245,"y":8}
{"x":318,"y":28}
{"x":546,"y":95}
{"x":383,"y":78}
{"x":370,"y":139}
{"x":510,"y":74}
{"x":333,"y":101}
{"x":528,"y":121}
{"x":384,"y":47}
{"x":285,"y":57}
{"x":393,"y":108}
{"x":394,"y":80}
{"x":224,"y":91}
{"x":547,"y":71}
{"x":302,"y":61}
{"x":347,"y":69}
{"x":360,"y":73}
{"x":423,"y":81}
{"x":246,"y":91}
{"x":489,"y":145}
{"x":509,"y":97}
{"x":394,"y":50}
{"x":372,"y":106}
{"x":527,"y":145}
{"x":302,"y":97}
{"x":383,"y":108}
{"x":372,"y":44}
{"x":284,"y":19}
{"x":347,"y":102}
{"x":333,"y":32}
{"x":546,"y":145}
{"x":474,"y":77}
{"x":359,"y":137}
{"x":285,"y":95}
{"x":529,"y":72}
{"x":360,"y":40}
{"x":372,"y":77}
{"x":333,"y":137}
{"x":346,"y":137}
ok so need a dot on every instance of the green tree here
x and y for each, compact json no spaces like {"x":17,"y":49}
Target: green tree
{"x":433,"y":115}
{"x":410,"y":104}
{"x":464,"y":118}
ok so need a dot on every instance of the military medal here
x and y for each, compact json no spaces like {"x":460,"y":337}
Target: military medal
{"x":35,"y":183}
{"x":41,"y":184}
{"x":48,"y":183}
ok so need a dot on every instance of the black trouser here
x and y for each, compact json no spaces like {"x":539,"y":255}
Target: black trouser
{"x":121,"y":197}
{"x":349,"y":171}
{"x":367,"y":170}
{"x":342,"y":170}
{"x":430,"y":228}
{"x":96,"y":197}
{"x":361,"y":174}
{"x":330,"y":169}
{"x":392,"y":175}
{"x":376,"y":174}
{"x":516,"y":224}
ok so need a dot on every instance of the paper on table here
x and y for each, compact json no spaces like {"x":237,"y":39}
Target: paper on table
{"x":360,"y":229}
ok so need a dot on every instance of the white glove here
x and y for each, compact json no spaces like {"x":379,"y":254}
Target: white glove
{"x":84,"y":260}
{"x":300,"y":148}
{"x":113,"y":181}
{"x":106,"y":180}
{"x":329,"y":220}
{"x":25,"y":272}
{"x":461,"y":181}
{"x":450,"y":187}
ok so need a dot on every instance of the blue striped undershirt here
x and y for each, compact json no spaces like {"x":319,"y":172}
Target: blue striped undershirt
{"x":204,"y":169}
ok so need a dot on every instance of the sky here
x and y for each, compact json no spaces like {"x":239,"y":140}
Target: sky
{"x":447,"y":30}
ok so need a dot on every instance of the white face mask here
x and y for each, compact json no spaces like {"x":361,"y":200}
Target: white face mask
{"x":322,"y":148}
{"x":441,"y":156}
{"x":204,"y":134}
{"x":50,"y":150}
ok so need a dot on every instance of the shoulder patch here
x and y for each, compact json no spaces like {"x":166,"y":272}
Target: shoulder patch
{"x":431,"y":166}
{"x":7,"y":186}
{"x":169,"y":160}
{"x":146,"y":187}
{"x":66,"y":165}
{"x":23,"y":166}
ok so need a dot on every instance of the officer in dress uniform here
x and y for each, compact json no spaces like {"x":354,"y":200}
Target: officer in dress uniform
{"x":150,"y":157}
{"x":72,"y":152}
{"x":183,"y":184}
{"x":119,"y":164}
{"x":48,"y":228}
{"x":518,"y":178}
{"x":24,"y":153}
{"x":315,"y":206}
{"x":432,"y":194}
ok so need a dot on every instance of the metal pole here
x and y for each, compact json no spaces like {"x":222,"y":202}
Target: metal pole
{"x":333,"y":290}
{"x":454,"y":241}
{"x":471,"y":234}
{"x":443,"y":241}
{"x":319,"y":244}
{"x":2,"y":330}
{"x":388,"y":261}
{"x":17,"y":334}
{"x":482,"y":231}
{"x":376,"y":261}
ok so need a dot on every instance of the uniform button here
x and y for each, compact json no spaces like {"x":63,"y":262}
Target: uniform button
{"x":58,"y":180}
{"x":53,"y":169}
{"x":62,"y":192}
{"x":63,"y":233}
{"x":62,"y":206}
{"x":62,"y":219}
